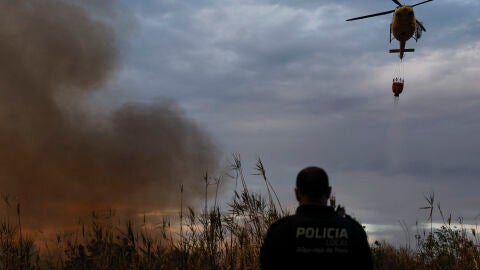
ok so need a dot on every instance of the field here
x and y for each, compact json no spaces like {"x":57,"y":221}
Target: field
{"x":212,"y":239}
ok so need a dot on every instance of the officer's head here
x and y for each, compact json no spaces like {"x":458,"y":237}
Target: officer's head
{"x":312,"y":186}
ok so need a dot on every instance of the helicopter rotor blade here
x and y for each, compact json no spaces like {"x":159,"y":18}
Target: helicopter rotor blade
{"x":421,"y":26}
{"x":421,"y":3}
{"x":398,"y":3}
{"x":373,"y":15}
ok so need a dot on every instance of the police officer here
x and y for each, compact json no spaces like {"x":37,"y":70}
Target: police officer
{"x":317,"y":236}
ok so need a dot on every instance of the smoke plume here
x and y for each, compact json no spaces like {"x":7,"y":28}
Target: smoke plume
{"x":59,"y":164}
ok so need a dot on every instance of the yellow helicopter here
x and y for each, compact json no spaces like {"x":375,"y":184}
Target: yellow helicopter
{"x":403,"y":27}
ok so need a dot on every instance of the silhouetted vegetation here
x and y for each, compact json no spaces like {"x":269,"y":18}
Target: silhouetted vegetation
{"x":214,"y":238}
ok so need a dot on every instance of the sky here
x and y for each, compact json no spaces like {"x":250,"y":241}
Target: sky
{"x":291,"y":82}
{"x":295,"y":84}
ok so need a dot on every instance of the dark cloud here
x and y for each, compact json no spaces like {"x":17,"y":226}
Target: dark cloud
{"x":293,"y":82}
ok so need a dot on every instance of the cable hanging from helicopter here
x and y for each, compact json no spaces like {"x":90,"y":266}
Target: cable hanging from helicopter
{"x":398,"y":81}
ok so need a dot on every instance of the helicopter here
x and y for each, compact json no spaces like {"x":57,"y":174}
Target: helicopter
{"x":403,"y":27}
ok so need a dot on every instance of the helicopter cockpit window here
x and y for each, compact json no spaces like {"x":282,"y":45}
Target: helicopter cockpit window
{"x":418,"y":32}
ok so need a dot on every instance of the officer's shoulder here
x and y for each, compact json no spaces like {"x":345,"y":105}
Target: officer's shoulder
{"x":354,"y":222}
{"x":280,"y":223}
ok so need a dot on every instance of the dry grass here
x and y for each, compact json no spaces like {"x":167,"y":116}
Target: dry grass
{"x":450,"y":247}
{"x":213,"y":238}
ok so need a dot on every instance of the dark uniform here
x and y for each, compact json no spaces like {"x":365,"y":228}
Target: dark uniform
{"x":316,"y":237}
